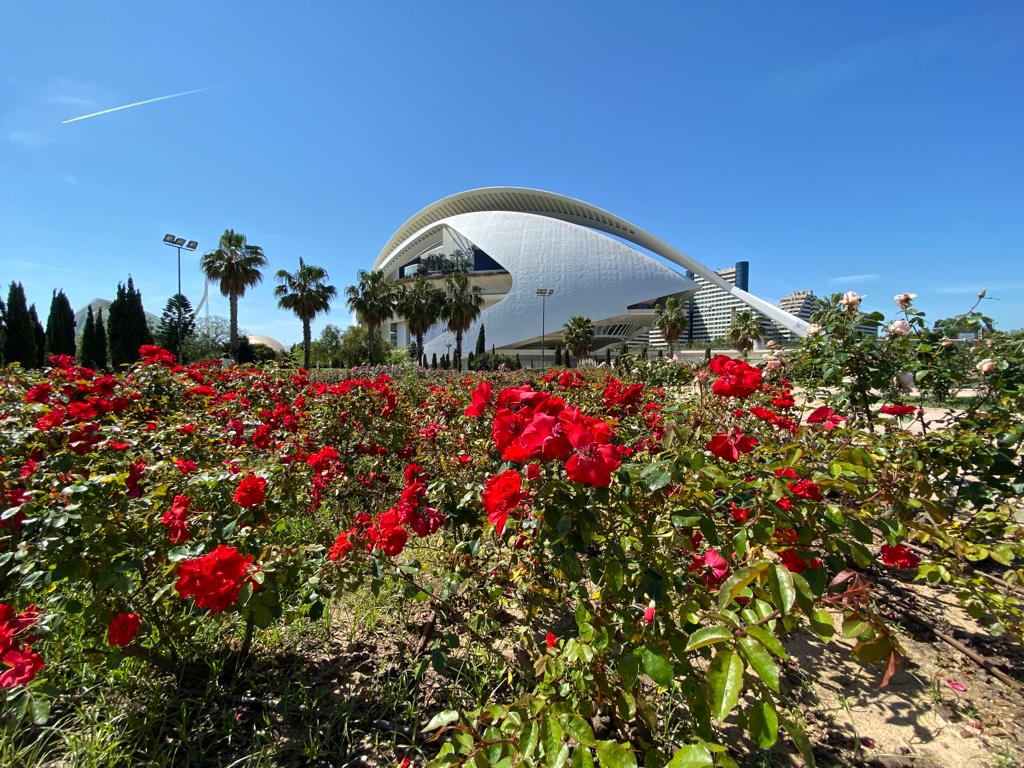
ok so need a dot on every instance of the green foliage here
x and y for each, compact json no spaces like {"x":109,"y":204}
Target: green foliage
{"x":40,"y":337}
{"x":60,"y":326}
{"x":236,"y":266}
{"x":127,"y":328}
{"x":20,"y":342}
{"x":176,"y":323}
{"x":305,"y":293}
{"x":460,"y":308}
{"x":672,"y":320}
{"x":745,"y":330}
{"x":374,"y":299}
{"x":578,"y":333}
{"x":420,"y":304}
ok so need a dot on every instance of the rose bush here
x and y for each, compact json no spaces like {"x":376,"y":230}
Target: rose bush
{"x":631,"y":547}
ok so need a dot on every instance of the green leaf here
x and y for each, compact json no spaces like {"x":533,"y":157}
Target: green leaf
{"x":579,"y":729}
{"x":691,"y":756}
{"x":581,"y":758}
{"x":657,"y":475}
{"x":763,"y":724}
{"x":725,"y":681}
{"x":629,"y":668}
{"x":735,"y":583}
{"x":821,"y":624}
{"x":658,"y":667}
{"x":760,"y":661}
{"x":40,"y":710}
{"x":707,"y":636}
{"x":780,"y":582}
{"x":552,"y":737}
{"x":441,"y":719}
{"x":796,"y":733}
{"x":528,"y":738}
{"x":614,"y":755}
{"x":768,"y":640}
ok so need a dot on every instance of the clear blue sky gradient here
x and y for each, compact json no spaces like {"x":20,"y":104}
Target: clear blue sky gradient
{"x":872,"y":146}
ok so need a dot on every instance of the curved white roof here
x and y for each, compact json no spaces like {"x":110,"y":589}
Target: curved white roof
{"x":551,"y":205}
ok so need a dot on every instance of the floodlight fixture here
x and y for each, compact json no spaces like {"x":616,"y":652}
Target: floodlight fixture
{"x":189,"y":245}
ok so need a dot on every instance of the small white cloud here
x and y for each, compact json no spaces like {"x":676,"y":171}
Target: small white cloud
{"x":28,"y":139}
{"x":842,"y":279}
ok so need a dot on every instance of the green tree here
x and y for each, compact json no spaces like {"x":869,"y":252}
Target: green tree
{"x":236,"y":265}
{"x":305,"y":293}
{"x":670,"y":318}
{"x":102,"y":348}
{"x":60,"y":326}
{"x":433,"y":362}
{"x":40,"y":335}
{"x":177,"y":325}
{"x":87,"y":348}
{"x":558,"y":354}
{"x":420,"y":304}
{"x":374,"y":300}
{"x":3,"y":331}
{"x":463,"y":303}
{"x":20,"y":345}
{"x":578,"y":333}
{"x":744,"y":331}
{"x":481,"y":341}
{"x":128,"y":327}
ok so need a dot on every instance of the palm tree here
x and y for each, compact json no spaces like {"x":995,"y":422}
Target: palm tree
{"x":578,"y":333}
{"x":462,"y":305}
{"x":420,"y":304}
{"x":744,"y":331}
{"x":373,"y":300}
{"x":236,"y":264}
{"x":670,"y":318}
{"x":304,"y":293}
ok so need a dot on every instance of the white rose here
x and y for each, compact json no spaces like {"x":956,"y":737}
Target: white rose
{"x":899,"y":327}
{"x":904,"y":300}
{"x":986,"y":366}
{"x":814,"y":330}
{"x":852,"y":299}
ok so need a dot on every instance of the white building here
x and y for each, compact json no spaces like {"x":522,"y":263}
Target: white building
{"x":516,"y":241}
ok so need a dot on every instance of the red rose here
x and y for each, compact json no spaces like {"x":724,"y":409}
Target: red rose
{"x":251,"y":490}
{"x":215,"y":579}
{"x":550,"y":640}
{"x":899,"y":557}
{"x":502,"y":494}
{"x":735,"y":377}
{"x":123,"y":628}
{"x":176,"y":519}
{"x":24,"y":665}
{"x":730,"y":447}
{"x":187,"y":466}
{"x":480,"y":398}
{"x":899,"y":410}
{"x":825,"y":416}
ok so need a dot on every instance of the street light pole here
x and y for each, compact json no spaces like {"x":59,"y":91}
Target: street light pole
{"x":543,"y":293}
{"x":189,"y":245}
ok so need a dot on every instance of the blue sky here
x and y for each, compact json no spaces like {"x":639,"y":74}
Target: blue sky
{"x":877,"y":147}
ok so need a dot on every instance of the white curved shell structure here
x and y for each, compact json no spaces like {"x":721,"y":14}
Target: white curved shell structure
{"x":521,"y":240}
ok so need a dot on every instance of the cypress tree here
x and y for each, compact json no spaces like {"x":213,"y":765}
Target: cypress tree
{"x":519,"y":363}
{"x":87,"y":351}
{"x":176,"y":319}
{"x":60,"y":326}
{"x":433,"y":362}
{"x":128,"y":327}
{"x":20,"y":345}
{"x":101,"y":342}
{"x":481,"y":342}
{"x":40,"y":334}
{"x":469,"y":361}
{"x":568,"y":360}
{"x":3,"y":331}
{"x":423,"y":360}
{"x":608,"y":357}
{"x":558,"y":354}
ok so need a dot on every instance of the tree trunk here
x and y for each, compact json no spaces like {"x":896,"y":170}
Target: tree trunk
{"x":458,"y":350}
{"x":419,"y":346}
{"x":306,"y":338}
{"x":233,"y":343}
{"x":369,"y":343}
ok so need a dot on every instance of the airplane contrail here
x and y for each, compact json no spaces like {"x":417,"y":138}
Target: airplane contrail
{"x":134,"y":104}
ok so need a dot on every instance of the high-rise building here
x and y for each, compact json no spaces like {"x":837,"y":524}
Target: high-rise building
{"x":802,"y":304}
{"x":711,"y":309}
